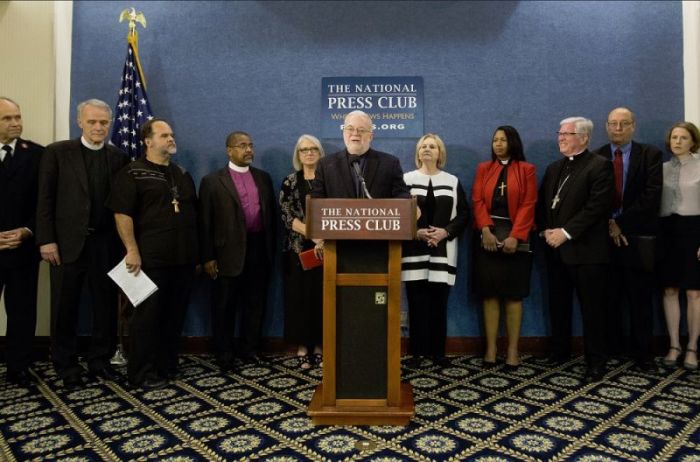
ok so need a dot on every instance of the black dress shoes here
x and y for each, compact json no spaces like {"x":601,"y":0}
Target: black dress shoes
{"x":646,"y":366}
{"x":555,"y":359}
{"x":441,"y":361}
{"x":226,"y":365}
{"x":594,"y":374}
{"x":106,"y":373}
{"x":511,"y":368}
{"x":21,"y":378}
{"x":151,"y":382}
{"x":254,"y":359}
{"x":72,"y":382}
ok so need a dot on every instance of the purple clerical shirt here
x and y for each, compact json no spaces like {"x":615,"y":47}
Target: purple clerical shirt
{"x":250,"y":199}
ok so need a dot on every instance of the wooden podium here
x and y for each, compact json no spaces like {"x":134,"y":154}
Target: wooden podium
{"x":361,"y":310}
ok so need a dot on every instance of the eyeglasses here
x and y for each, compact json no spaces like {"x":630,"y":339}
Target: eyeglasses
{"x":567,"y":133}
{"x":622,"y":124}
{"x":309,"y":150}
{"x":359,"y":131}
{"x":242,"y":146}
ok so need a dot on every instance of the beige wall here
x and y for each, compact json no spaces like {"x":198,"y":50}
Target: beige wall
{"x":28,"y":77}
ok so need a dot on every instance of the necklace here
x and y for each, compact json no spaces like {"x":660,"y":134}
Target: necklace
{"x":557,"y":198}
{"x":174,"y":193}
{"x":309,"y":181}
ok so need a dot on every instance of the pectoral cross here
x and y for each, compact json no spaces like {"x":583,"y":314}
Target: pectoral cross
{"x":555,"y":201}
{"x":502,"y":187}
{"x":176,"y":205}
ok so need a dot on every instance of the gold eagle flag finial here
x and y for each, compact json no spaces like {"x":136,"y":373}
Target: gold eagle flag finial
{"x":134,"y":17}
{"x":133,"y":37}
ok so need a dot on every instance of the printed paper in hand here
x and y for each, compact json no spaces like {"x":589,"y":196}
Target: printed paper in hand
{"x":137,"y":288}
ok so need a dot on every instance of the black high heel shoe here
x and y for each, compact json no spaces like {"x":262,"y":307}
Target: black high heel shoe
{"x":686,"y":364}
{"x":672,"y":362}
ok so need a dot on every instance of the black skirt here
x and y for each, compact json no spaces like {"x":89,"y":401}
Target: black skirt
{"x":303,"y":302}
{"x":496,"y":274}
{"x":679,"y":242}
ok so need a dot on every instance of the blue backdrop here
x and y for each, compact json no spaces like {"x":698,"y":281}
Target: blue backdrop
{"x":215,"y":67}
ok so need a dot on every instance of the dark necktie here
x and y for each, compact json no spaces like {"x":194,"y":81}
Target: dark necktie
{"x":619,"y":171}
{"x":8,"y":154}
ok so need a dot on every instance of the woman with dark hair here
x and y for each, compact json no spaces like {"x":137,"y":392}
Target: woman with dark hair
{"x":503,"y":199}
{"x":680,"y":236}
{"x":429,"y":263}
{"x":303,"y":289}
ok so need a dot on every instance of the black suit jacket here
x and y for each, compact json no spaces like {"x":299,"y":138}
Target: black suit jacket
{"x":383,"y":176}
{"x":63,"y":206}
{"x":222,"y":223}
{"x":583,"y":210}
{"x":18,"y":186}
{"x":642,"y":190}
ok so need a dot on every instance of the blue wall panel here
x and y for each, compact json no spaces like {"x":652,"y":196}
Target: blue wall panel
{"x":215,"y":67}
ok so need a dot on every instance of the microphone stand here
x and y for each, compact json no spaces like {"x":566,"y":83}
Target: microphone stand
{"x":356,"y":166}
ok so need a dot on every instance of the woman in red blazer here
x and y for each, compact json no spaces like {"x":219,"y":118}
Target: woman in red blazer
{"x":503,"y":196}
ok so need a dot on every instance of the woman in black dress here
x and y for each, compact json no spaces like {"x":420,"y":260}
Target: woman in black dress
{"x":680,"y":237}
{"x":504,"y":197}
{"x":303,"y":290}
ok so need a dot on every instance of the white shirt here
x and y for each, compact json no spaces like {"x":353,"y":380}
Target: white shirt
{"x":681,"y":187}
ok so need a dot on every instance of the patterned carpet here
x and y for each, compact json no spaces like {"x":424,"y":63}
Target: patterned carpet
{"x":259,"y":413}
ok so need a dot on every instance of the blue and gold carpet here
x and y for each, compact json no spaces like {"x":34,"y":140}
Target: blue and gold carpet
{"x":259,"y":413}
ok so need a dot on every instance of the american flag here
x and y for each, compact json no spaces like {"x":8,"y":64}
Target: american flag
{"x":132,"y":109}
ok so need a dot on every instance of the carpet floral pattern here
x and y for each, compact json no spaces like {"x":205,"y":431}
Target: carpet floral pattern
{"x":258,"y":412}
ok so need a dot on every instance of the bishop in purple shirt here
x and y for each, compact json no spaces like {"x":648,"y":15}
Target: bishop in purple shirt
{"x":237,"y":238}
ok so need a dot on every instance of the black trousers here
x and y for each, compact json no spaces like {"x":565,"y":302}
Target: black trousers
{"x":20,"y":286}
{"x":244,"y":295}
{"x":631,"y":294}
{"x":155,"y":326}
{"x":590,"y":283}
{"x":427,"y":317}
{"x":67,"y":279}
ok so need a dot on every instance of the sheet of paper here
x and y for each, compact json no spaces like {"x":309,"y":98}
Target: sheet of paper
{"x":137,"y":288}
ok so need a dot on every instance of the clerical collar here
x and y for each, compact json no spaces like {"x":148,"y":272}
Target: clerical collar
{"x":576,"y":156}
{"x":238,"y":168}
{"x":504,"y":162}
{"x":90,"y":146}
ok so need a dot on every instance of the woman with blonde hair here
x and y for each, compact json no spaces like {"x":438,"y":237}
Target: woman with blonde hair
{"x":429,"y":263}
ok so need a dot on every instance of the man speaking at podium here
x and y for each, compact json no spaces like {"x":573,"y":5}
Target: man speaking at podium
{"x":342,"y":174}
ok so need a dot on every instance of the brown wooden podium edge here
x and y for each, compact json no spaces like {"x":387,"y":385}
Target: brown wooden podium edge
{"x":329,"y":320}
{"x":362,"y":415}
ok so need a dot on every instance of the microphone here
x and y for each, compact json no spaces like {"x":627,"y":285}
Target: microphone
{"x":356,"y":166}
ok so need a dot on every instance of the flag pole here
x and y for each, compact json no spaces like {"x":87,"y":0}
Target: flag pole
{"x":132,"y":110}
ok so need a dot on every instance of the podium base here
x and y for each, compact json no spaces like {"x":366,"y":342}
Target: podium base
{"x":359,"y":414}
